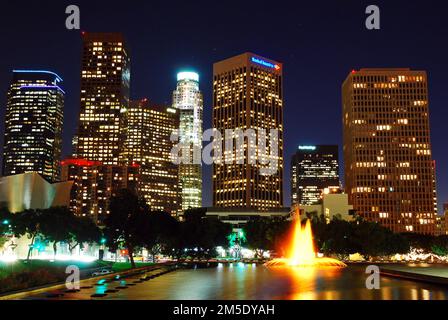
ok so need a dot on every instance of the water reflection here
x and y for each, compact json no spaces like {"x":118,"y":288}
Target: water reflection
{"x":251,"y":282}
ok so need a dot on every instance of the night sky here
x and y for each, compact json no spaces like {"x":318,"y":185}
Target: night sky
{"x":319,"y":42}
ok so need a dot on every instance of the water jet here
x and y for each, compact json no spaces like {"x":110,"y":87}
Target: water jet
{"x":301,"y":251}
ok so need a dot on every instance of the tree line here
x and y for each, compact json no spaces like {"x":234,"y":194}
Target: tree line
{"x":132,"y":226}
{"x":54,"y":225}
{"x":342,"y":238}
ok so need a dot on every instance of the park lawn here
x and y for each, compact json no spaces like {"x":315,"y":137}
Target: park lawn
{"x":122,"y":266}
{"x":21,"y":275}
{"x":19,"y":266}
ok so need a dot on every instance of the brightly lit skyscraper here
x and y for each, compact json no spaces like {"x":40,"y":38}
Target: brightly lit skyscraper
{"x":313,"y":169}
{"x":248,"y":94}
{"x":33,"y":124}
{"x":105,"y":78}
{"x":389,"y":169}
{"x":187,"y":98}
{"x":148,"y":145}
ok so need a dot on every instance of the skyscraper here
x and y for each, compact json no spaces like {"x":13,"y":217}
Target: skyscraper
{"x":248,"y":94}
{"x":105,"y":78}
{"x":313,"y":169}
{"x":187,"y":98}
{"x":149,"y":145}
{"x":389,"y":170}
{"x":33,"y":124}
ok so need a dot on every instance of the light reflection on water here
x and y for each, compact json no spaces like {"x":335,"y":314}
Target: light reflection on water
{"x":251,"y":282}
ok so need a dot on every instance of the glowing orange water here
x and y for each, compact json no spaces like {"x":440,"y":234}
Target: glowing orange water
{"x":301,"y":251}
{"x":302,"y":247}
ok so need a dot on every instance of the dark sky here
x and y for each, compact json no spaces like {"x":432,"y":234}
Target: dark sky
{"x":319,"y":42}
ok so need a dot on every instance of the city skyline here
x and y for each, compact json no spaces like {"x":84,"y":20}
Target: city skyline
{"x":294,"y":137}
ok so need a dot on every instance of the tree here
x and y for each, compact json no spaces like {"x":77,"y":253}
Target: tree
{"x":122,"y":222}
{"x":372,"y":239}
{"x":266,"y":234}
{"x":256,"y":236}
{"x":201,"y":234}
{"x":82,"y":230}
{"x":155,"y":231}
{"x":56,"y":225}
{"x":440,"y":245}
{"x":5,"y":220}
{"x":337,"y":238}
{"x":27,"y":223}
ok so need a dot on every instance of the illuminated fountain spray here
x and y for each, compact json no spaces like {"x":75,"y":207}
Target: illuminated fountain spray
{"x":301,"y":251}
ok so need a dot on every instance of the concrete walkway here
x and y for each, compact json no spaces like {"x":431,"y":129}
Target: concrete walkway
{"x":437,"y":274}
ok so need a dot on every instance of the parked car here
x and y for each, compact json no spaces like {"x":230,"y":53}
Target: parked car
{"x":102,"y":272}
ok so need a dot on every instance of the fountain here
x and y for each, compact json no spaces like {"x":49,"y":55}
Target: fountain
{"x":301,"y":251}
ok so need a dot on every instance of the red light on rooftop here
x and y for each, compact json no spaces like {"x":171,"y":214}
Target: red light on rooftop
{"x":353,"y":71}
{"x":135,"y":165}
{"x":80,"y":163}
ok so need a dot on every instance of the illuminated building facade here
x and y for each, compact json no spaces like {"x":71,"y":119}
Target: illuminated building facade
{"x":332,"y":205}
{"x":238,"y":217}
{"x":313,"y":169}
{"x":441,"y":222}
{"x":248,"y":94}
{"x":33,"y":124}
{"x":187,"y":99}
{"x":105,"y":78}
{"x":389,"y":170}
{"x":31,"y":191}
{"x":94,"y":184}
{"x":149,"y":146}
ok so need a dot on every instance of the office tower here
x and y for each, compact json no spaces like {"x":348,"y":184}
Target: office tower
{"x":94,"y":184}
{"x":248,"y":94}
{"x":187,"y":98}
{"x":149,"y":145}
{"x":389,"y":171}
{"x":33,"y":124}
{"x":105,"y":79}
{"x":313,"y":169}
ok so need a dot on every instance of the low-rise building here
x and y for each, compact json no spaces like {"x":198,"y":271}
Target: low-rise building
{"x":331,"y":205}
{"x":238,"y":217}
{"x":441,"y":229}
{"x":441,"y":222}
